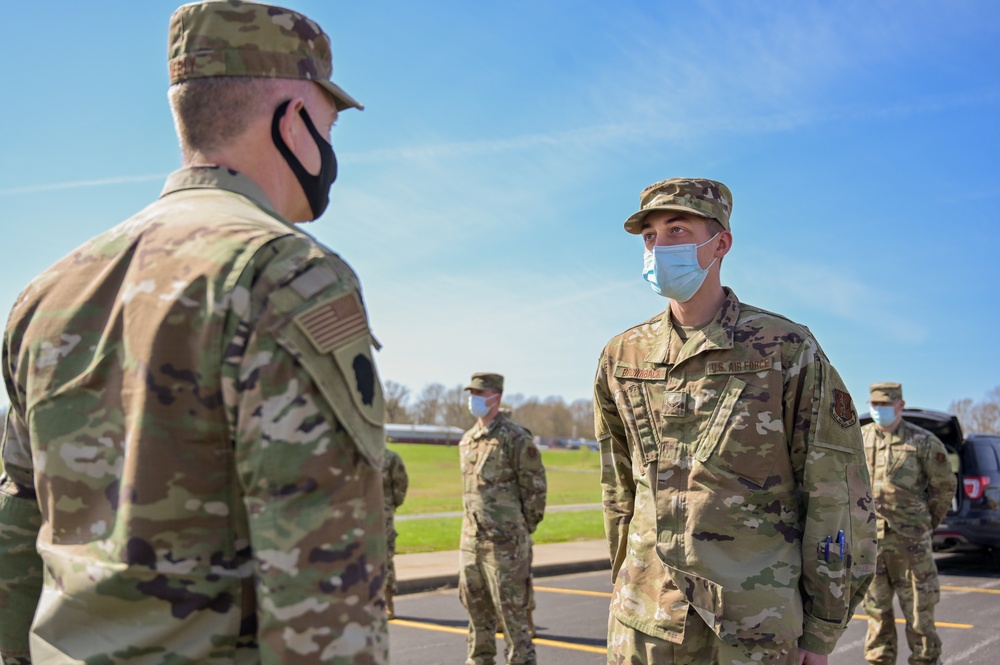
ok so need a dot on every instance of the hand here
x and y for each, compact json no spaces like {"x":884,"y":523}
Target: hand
{"x":810,"y":658}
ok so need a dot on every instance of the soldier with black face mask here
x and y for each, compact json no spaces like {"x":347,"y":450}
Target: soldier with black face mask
{"x":196,"y":424}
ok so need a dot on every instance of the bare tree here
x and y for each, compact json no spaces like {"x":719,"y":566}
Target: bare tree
{"x":427,"y":410}
{"x":455,"y":410}
{"x":437,"y":405}
{"x":981,"y":417}
{"x":582,"y":411}
{"x":396,"y":397}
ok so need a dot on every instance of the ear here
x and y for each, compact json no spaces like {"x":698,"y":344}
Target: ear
{"x":725,"y":243}
{"x":288,"y":125}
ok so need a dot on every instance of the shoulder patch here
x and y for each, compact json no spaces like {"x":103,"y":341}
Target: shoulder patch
{"x":333,"y":322}
{"x":842,"y":408}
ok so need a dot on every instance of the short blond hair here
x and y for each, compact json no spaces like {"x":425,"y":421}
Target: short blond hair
{"x":209,"y":113}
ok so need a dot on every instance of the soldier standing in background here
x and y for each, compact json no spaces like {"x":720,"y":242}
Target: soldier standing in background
{"x":503,"y":496}
{"x":736,"y":498}
{"x":196,"y":423}
{"x":914,"y":485}
{"x":395,"y":482}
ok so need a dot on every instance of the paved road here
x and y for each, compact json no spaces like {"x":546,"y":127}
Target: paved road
{"x":573,"y":609}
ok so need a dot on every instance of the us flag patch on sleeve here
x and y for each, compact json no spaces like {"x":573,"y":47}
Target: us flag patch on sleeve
{"x":334,"y":322}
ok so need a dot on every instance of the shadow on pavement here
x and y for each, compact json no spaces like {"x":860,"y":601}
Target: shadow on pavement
{"x":968,"y":564}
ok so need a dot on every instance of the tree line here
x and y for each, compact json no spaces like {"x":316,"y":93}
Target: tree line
{"x":550,"y":417}
{"x":981,"y":417}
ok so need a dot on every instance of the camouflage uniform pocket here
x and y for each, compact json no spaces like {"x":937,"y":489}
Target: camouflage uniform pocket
{"x":729,"y":444}
{"x":834,"y":575}
{"x":641,"y":423}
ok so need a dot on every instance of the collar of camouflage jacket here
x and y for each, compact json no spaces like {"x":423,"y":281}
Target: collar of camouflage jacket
{"x":717,"y":334}
{"x":217,"y":177}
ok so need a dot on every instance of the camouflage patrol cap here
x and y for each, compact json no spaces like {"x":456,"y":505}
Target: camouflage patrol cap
{"x":886,"y":392}
{"x":234,"y":38}
{"x":486,"y":381}
{"x":697,"y":196}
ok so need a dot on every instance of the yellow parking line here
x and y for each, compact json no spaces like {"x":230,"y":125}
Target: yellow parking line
{"x":575,"y":592}
{"x":969,"y":588}
{"x":940,"y":624}
{"x":463,"y":631}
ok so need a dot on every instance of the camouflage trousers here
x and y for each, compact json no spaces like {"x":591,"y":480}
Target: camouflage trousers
{"x":700,"y":646}
{"x":390,"y":567}
{"x":906,"y":567}
{"x":493,"y":582}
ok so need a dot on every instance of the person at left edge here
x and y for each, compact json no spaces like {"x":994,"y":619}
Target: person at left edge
{"x":196,"y":423}
{"x":395,"y":483}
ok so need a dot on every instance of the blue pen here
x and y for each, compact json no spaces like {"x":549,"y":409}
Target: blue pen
{"x":840,"y":539}
{"x":826,"y":553}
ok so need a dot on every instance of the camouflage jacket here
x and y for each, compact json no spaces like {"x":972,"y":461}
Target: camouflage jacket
{"x":912,"y":478}
{"x":503,"y":481}
{"x":196,"y":440}
{"x":395,"y":482}
{"x":728,"y":461}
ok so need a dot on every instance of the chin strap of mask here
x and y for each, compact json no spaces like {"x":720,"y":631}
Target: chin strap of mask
{"x":315,"y":187}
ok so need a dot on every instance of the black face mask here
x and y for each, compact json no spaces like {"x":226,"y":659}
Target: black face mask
{"x":315,"y":187}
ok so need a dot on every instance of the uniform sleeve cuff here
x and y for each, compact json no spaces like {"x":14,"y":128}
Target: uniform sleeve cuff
{"x":820,"y":636}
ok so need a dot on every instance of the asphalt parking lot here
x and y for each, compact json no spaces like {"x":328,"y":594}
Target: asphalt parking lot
{"x":572,"y":614}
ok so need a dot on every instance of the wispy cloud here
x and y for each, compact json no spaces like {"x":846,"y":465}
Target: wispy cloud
{"x":834,"y":291}
{"x":76,"y":184}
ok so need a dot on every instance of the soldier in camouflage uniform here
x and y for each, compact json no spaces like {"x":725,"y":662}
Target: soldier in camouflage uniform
{"x":914,"y":485}
{"x":737,"y":502}
{"x":196,"y":424}
{"x":395,"y":482}
{"x":503,"y":495}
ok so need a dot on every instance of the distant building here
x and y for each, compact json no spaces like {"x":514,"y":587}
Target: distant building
{"x":564,"y":443}
{"x":442,"y":435}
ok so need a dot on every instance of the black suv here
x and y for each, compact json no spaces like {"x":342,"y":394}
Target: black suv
{"x":974,"y":519}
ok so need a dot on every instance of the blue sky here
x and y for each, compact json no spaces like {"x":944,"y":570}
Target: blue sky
{"x":482,"y":192}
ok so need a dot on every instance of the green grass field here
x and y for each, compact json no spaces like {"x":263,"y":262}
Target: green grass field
{"x":436,"y":486}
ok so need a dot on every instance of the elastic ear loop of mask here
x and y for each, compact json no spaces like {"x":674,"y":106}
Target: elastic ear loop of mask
{"x":310,"y":183}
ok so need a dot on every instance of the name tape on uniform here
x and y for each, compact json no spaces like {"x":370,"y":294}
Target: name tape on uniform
{"x":739,"y":366}
{"x":655,"y":374}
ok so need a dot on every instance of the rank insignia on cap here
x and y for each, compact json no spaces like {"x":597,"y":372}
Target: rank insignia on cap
{"x":842,"y":408}
{"x":334,"y":322}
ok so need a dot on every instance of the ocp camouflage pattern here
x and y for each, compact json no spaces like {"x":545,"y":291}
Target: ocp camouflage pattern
{"x":232,"y":47}
{"x":209,"y":483}
{"x":503,"y":480}
{"x":395,"y":483}
{"x":728,"y":460}
{"x":504,"y":491}
{"x":913,"y":487}
{"x":912,"y":478}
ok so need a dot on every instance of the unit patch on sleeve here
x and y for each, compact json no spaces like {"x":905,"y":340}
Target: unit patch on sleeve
{"x":334,"y":322}
{"x":842,"y":408}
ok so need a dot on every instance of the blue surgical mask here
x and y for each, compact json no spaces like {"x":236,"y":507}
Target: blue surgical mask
{"x":478,"y":406}
{"x":673,"y":270}
{"x":883,"y":415}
